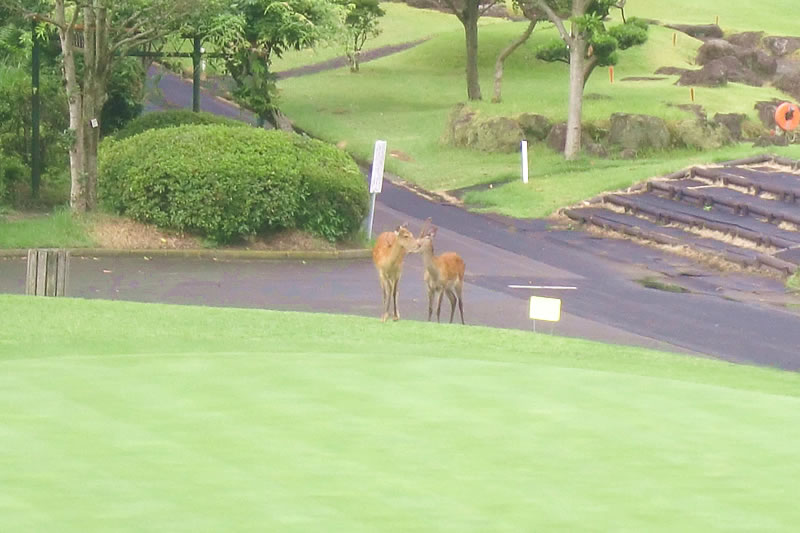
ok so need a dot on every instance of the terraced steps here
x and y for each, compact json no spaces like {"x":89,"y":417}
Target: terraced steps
{"x":745,"y":212}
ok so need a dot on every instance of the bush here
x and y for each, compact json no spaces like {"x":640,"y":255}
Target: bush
{"x":226,"y":183}
{"x":168,"y":119}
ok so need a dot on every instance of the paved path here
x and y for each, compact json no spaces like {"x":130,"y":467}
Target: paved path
{"x":735,"y":317}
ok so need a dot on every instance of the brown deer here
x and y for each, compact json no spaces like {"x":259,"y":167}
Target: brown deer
{"x":387,"y":254}
{"x":444,"y":274}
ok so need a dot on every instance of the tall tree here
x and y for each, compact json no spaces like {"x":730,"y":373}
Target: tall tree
{"x":533,"y":14}
{"x":267,"y":29}
{"x":93,"y":35}
{"x":360,"y":23}
{"x":587,"y":45}
{"x":468,"y":12}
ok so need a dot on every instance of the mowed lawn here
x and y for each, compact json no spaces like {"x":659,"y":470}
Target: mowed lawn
{"x":133,"y":417}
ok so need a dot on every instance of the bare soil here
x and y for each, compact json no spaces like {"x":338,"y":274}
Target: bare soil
{"x":122,"y":233}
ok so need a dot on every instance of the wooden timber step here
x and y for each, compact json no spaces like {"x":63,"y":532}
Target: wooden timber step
{"x":782,"y":184}
{"x":739,"y":203}
{"x":667,"y":211}
{"x":645,"y":229}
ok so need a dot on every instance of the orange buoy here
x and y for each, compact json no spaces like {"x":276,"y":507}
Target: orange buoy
{"x":787,"y":116}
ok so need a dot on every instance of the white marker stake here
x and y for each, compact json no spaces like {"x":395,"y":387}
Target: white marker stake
{"x":375,"y":180}
{"x":524,"y":161}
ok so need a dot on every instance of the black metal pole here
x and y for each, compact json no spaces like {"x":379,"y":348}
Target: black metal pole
{"x":36,"y":164}
{"x":196,"y":67}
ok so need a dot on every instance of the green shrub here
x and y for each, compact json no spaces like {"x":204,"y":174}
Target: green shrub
{"x":226,"y":183}
{"x":168,"y":119}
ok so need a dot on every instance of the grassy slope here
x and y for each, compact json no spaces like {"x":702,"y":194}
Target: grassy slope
{"x":58,"y":230}
{"x":406,"y":98}
{"x":119,"y":416}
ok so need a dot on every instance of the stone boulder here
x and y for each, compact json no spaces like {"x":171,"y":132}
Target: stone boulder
{"x":496,"y":134}
{"x":718,"y":72}
{"x":557,"y":137}
{"x":699,"y":134}
{"x":789,"y":83}
{"x":732,"y":122}
{"x":638,"y":132}
{"x":535,"y":127}
{"x":760,"y":62}
{"x":713,"y":74}
{"x":702,"y":31}
{"x":766,"y":112}
{"x":715,"y":49}
{"x":771,"y":140}
{"x":782,"y":46}
{"x":671,"y":71}
{"x":458,"y":129}
{"x":468,"y":129}
{"x":747,"y":39}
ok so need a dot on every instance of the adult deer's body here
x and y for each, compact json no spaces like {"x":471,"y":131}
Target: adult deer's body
{"x":444,"y":274}
{"x":388,"y":253}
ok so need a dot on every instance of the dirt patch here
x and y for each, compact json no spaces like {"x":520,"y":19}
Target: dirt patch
{"x":124,"y":234}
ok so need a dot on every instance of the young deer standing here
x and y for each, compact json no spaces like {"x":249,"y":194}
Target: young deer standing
{"x":444,"y":274}
{"x":388,"y":253}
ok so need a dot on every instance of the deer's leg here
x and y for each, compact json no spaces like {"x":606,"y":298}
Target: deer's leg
{"x":384,"y":298}
{"x":431,"y":296}
{"x":460,"y":302}
{"x":395,"y":283}
{"x":452,"y":297}
{"x":458,"y":288}
{"x":439,"y":305}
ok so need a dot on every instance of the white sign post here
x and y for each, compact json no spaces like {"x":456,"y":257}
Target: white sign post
{"x":375,"y":180}
{"x":524,"y":161}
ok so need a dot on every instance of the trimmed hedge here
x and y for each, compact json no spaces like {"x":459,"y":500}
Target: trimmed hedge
{"x":168,"y":119}
{"x":226,"y":183}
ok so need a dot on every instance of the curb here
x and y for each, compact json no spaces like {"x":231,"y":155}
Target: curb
{"x":208,"y":254}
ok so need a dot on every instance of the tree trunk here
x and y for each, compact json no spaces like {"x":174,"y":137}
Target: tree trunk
{"x":498,"y":65}
{"x":77,"y":197}
{"x":577,"y":51}
{"x":469,"y":19}
{"x":588,"y":68}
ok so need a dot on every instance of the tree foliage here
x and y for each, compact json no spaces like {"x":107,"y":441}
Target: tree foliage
{"x":360,"y":23}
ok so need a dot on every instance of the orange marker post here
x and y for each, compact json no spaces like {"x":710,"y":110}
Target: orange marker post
{"x":674,"y":39}
{"x":611,"y":73}
{"x":691,"y":93}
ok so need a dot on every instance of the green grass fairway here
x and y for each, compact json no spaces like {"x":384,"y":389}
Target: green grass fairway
{"x":131,"y":417}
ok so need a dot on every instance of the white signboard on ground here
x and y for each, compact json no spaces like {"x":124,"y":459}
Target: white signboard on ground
{"x":545,"y":309}
{"x":378,"y":158}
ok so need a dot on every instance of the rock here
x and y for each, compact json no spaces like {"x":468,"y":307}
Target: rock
{"x":714,"y":49}
{"x":496,"y":134}
{"x":789,"y":83}
{"x":781,"y":46}
{"x":711,"y":75}
{"x":772,"y":140}
{"x":557,"y":137}
{"x":733,"y":123}
{"x":700,"y":134}
{"x":758,"y":61}
{"x":458,"y":128}
{"x":671,"y":71}
{"x":638,"y":132}
{"x":535,"y":127}
{"x":702,"y":31}
{"x":718,"y":72}
{"x":747,"y":39}
{"x":766,"y":112}
{"x":628,"y":153}
{"x":596,"y":149}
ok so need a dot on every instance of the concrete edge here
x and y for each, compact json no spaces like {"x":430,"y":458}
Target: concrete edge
{"x":361,"y":253}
